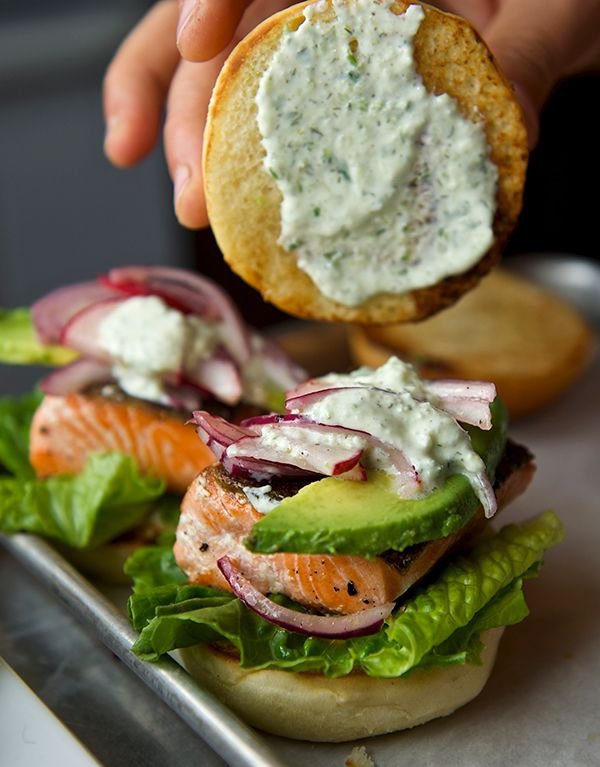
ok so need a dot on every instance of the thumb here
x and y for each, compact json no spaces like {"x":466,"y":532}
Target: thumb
{"x":206,"y":27}
{"x":530,"y":43}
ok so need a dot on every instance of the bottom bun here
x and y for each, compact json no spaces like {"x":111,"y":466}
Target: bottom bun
{"x":314,"y":707}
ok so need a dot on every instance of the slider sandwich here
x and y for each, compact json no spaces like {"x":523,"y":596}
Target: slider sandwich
{"x":150,"y":344}
{"x":338,"y":576}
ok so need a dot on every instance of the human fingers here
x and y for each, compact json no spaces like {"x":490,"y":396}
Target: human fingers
{"x":136,"y":83}
{"x":206,"y":27}
{"x":478,"y":12}
{"x":186,"y":117}
{"x":183,"y":135}
{"x":531,"y":43}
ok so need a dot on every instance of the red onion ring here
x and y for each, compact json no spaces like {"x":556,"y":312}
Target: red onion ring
{"x":471,"y":411}
{"x":451,"y":388}
{"x":260,"y":470}
{"x":313,"y":458}
{"x":132,"y":288}
{"x":204,"y":297}
{"x":81,"y":332}
{"x":328,"y":626}
{"x":216,"y":432}
{"x":52,"y":312}
{"x":485,"y":492}
{"x":218,"y":375}
{"x":76,"y":376}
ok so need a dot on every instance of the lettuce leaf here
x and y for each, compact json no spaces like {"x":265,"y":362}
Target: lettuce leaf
{"x":15,"y":421}
{"x":154,"y":566}
{"x":107,"y":498}
{"x":19,"y":343}
{"x":439,"y":625}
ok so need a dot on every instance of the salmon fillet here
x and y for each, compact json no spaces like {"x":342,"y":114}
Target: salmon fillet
{"x":66,"y":429}
{"x":216,"y":517}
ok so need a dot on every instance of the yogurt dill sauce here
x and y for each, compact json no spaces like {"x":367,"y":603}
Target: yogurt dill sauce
{"x":151,"y":343}
{"x":385,"y":186}
{"x":394,"y":405}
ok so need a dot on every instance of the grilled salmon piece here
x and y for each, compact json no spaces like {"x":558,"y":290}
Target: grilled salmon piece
{"x":66,"y":429}
{"x":216,"y":516}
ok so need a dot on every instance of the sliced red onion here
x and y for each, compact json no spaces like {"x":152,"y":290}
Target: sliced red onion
{"x":81,"y":332}
{"x":132,"y":288}
{"x":278,"y":367}
{"x":357,"y":473}
{"x":183,"y":397}
{"x":329,"y":626}
{"x":75,"y":377}
{"x":466,"y":401}
{"x":216,"y":432}
{"x":202,"y":296}
{"x":451,"y":388}
{"x":307,"y":387}
{"x":406,"y":478}
{"x":261,"y":470}
{"x":261,"y":420}
{"x":471,"y":411}
{"x":485,"y":492}
{"x":309,"y":396}
{"x":218,"y":375}
{"x":149,"y":280}
{"x":314,"y":458}
{"x":52,"y":312}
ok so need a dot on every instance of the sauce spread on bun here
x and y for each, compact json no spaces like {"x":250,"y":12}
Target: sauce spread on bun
{"x":379,"y":177}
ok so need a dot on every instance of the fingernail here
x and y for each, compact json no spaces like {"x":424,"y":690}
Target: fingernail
{"x":112,"y":128}
{"x":182,"y":176}
{"x":185,"y":13}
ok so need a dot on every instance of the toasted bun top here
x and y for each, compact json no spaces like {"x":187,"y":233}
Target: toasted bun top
{"x":244,"y":201}
{"x":507,"y":330}
{"x":313,"y":707}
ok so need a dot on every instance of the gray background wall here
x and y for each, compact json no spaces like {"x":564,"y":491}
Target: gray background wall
{"x":65,"y":213}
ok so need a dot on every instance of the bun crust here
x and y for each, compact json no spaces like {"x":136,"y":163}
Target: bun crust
{"x":507,"y":330}
{"x":243,"y":200}
{"x":313,"y":707}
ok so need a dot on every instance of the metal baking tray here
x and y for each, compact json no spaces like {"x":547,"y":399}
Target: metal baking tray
{"x":540,"y":706}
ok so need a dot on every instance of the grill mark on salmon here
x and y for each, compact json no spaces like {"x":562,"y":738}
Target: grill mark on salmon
{"x":216,"y":517}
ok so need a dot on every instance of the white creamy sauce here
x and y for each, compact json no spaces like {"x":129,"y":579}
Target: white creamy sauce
{"x":148,"y":342}
{"x":385,"y":186}
{"x":399,"y":411}
{"x":261,"y":498}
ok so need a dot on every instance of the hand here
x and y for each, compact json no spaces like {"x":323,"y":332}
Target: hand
{"x":536,"y":43}
{"x":172,"y":58}
{"x":174,"y":55}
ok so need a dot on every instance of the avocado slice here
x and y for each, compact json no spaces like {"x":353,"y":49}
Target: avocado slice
{"x":333,"y":516}
{"x":19,"y":344}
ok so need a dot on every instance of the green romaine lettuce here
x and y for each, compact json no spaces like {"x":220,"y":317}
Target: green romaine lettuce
{"x":439,"y":625}
{"x":15,"y":422}
{"x":106,"y":499}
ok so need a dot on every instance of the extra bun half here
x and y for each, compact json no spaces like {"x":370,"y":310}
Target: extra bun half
{"x":508,"y":330}
{"x":243,"y":200}
{"x":314,"y":707}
